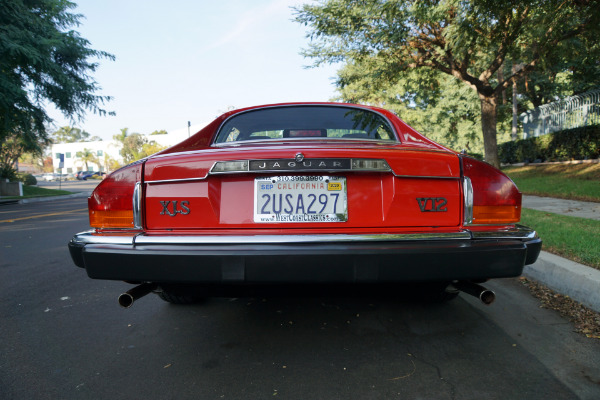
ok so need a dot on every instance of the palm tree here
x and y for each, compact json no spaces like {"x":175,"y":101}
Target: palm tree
{"x":87,"y":156}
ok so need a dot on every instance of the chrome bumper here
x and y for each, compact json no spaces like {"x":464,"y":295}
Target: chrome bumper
{"x":218,"y":260}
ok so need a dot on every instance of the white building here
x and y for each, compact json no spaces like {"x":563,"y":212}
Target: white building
{"x":73,"y":162}
{"x":104,"y":151}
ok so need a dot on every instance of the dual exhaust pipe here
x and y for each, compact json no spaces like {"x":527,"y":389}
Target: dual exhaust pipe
{"x":486,"y":296}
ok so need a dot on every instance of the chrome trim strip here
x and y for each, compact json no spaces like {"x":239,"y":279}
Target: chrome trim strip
{"x":468,"y":197}
{"x":90,"y":237}
{"x":323,"y":171}
{"x":454,"y":178}
{"x":518,"y":232}
{"x":283,"y":239}
{"x":176,"y":180}
{"x":137,"y":205}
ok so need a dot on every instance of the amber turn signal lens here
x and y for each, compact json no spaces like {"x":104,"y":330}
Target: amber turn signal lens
{"x":111,"y":219}
{"x":496,"y":214}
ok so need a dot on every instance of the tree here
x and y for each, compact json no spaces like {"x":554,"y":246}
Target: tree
{"x":11,"y":149}
{"x":42,"y":60}
{"x":136,"y":146}
{"x":436,"y":104}
{"x":110,"y":164}
{"x":120,"y":137}
{"x":88,"y":156}
{"x":68,"y":134}
{"x":469,"y":40}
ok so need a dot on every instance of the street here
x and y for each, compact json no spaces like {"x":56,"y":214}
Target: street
{"x":65,"y":337}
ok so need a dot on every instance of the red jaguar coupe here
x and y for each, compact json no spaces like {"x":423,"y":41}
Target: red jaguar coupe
{"x":305,"y":195}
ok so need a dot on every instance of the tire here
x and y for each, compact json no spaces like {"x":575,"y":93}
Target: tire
{"x":176,"y":298}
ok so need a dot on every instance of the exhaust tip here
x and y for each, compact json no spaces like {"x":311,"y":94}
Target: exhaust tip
{"x":487,"y":297}
{"x":126,"y":300}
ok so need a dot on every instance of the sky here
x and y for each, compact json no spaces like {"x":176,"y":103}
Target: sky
{"x":181,"y":61}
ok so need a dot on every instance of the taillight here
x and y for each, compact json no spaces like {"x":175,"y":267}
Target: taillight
{"x":111,"y":205}
{"x":491,"y":197}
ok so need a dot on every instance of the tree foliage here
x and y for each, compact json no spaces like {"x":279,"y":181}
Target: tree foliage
{"x":12,"y":148}
{"x":68,"y":134}
{"x":43,"y":60}
{"x":468,"y":40}
{"x":136,"y":146}
{"x":88,"y":156}
{"x":436,"y":104}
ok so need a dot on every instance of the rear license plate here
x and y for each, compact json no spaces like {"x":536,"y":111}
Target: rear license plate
{"x":300,"y":199}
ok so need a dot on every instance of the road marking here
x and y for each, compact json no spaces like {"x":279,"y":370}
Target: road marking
{"x":43,"y":215}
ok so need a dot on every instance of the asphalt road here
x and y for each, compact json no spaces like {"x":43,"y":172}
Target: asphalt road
{"x":63,"y":336}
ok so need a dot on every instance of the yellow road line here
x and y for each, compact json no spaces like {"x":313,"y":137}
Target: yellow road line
{"x":43,"y":215}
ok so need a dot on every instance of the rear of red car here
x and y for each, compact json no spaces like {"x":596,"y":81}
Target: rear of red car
{"x":305,"y":194}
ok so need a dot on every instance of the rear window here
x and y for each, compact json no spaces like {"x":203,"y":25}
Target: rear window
{"x":306,"y":122}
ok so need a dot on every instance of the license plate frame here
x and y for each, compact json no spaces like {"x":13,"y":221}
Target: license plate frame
{"x":295,"y":192}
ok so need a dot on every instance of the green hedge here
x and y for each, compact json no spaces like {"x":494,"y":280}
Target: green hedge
{"x":572,"y":144}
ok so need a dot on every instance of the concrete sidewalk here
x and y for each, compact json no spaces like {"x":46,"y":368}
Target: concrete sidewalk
{"x":580,"y":282}
{"x":573,"y":208}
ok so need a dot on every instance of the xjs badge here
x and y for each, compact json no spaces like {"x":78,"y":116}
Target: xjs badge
{"x":184,"y":210}
{"x":432,"y":204}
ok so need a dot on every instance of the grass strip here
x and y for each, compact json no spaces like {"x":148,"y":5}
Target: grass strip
{"x":34,"y":191}
{"x":566,"y":181}
{"x":575,"y":238}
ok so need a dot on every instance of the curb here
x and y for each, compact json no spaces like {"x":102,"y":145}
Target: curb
{"x":567,"y":277}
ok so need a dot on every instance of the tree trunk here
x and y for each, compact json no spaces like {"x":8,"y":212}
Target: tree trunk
{"x":513,"y":134}
{"x":489,"y":108}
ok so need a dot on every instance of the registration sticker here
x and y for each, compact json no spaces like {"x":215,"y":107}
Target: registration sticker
{"x":300,"y":199}
{"x":334,"y":186}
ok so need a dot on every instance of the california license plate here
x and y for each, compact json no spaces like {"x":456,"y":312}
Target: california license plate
{"x":300,"y":199}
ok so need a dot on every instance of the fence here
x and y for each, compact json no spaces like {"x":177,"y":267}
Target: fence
{"x":568,"y":113}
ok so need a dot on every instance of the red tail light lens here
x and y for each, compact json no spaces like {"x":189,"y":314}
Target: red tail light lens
{"x":111,"y":205}
{"x":494,"y":198}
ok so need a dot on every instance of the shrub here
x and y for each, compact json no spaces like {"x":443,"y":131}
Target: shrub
{"x":28,"y":179}
{"x":572,"y":144}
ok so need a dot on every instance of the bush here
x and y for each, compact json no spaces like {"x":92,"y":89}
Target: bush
{"x":28,"y":179}
{"x":572,"y":144}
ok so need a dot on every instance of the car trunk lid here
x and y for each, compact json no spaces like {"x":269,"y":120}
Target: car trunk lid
{"x":374,"y":186}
